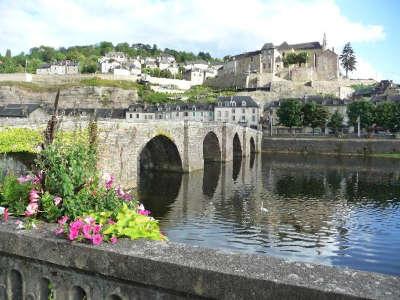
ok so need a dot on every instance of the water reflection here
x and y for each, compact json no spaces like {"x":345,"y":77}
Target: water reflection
{"x":320,"y":209}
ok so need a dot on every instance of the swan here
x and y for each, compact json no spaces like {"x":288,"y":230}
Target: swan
{"x":263,"y":209}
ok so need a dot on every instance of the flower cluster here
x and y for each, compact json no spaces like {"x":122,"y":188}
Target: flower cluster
{"x":82,"y":229}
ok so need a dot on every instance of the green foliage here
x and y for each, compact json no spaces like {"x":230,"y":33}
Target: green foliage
{"x":156,"y":72}
{"x":15,"y":194}
{"x":363,"y":87}
{"x":348,"y":59}
{"x":363,"y":109}
{"x":295,"y":58}
{"x":88,"y":55}
{"x":51,"y":212}
{"x":387,"y":116}
{"x":289,"y":113}
{"x":122,"y":84}
{"x":132,"y":225}
{"x":314,"y":115}
{"x":19,"y":140}
{"x":336,"y":122}
{"x":201,"y":93}
{"x":150,"y":96}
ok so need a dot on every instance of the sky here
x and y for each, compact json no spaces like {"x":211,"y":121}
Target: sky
{"x":221,"y":27}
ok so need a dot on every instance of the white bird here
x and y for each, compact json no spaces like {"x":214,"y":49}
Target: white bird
{"x":263,"y":209}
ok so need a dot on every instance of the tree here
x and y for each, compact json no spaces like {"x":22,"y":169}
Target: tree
{"x":289,"y":113}
{"x":336,"y":122}
{"x":385,"y":116}
{"x":8,"y":53}
{"x":314,"y":115}
{"x":348,"y":59}
{"x":363,"y":109}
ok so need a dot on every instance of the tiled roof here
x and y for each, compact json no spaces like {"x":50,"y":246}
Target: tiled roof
{"x":301,"y":46}
{"x":238,"y":101}
{"x":18,"y":110}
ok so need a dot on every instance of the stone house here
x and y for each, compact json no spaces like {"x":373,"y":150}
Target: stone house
{"x":64,"y":67}
{"x":196,"y":64}
{"x":196,"y":76}
{"x":203,"y":112}
{"x":237,"y":109}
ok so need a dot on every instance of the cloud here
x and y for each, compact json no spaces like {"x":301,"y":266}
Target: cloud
{"x":224,"y":26}
{"x":365,"y":71}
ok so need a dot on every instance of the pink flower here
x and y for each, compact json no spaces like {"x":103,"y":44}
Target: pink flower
{"x":143,"y":211}
{"x":38,"y":178}
{"x":96,"y":229}
{"x":97,"y":239}
{"x":57,"y":200}
{"x":5,"y":214}
{"x":73,"y":234}
{"x":31,"y":209}
{"x":111,"y":221}
{"x":76,"y":225}
{"x":86,"y":230}
{"x":23,"y":179}
{"x":89,"y":220}
{"x":109,"y":180}
{"x":59,"y":230}
{"x":33,"y":196}
{"x":124,"y":196}
{"x":63,"y":220}
{"x":114,"y":240}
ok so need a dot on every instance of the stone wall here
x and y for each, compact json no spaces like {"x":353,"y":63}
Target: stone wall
{"x":73,"y":97}
{"x":330,"y":145}
{"x":35,"y":264}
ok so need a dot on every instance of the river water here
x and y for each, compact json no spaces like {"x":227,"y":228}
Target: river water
{"x":322,"y":209}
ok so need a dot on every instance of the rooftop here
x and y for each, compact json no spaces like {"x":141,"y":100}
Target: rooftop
{"x":18,"y":110}
{"x":238,"y":100}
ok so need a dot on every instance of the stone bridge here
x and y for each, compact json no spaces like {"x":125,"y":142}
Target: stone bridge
{"x":126,"y":149}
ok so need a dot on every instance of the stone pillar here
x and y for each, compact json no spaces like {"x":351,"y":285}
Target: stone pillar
{"x":244,"y":142}
{"x":223,"y":143}
{"x":185,"y":158}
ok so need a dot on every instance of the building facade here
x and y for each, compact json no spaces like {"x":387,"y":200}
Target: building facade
{"x":64,"y":67}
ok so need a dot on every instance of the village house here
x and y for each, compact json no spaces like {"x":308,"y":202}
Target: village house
{"x":175,"y":112}
{"x":237,"y":109}
{"x":32,"y":112}
{"x":64,"y":67}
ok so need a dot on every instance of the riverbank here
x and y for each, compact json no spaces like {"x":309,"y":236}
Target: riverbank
{"x":389,"y":148}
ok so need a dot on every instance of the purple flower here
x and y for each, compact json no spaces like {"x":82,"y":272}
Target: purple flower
{"x":59,"y":230}
{"x":23,"y":179}
{"x":97,"y":239}
{"x":33,"y":196}
{"x":31,"y":209}
{"x":63,"y":220}
{"x":114,"y":240}
{"x":57,"y":200}
{"x":38,"y":178}
{"x":122,"y":195}
{"x":109,"y":180}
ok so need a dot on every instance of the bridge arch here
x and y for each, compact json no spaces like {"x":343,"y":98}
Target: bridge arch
{"x":160,"y":154}
{"x":237,"y":146}
{"x":211,"y":147}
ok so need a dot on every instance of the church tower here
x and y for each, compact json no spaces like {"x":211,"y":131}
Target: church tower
{"x":324,"y":42}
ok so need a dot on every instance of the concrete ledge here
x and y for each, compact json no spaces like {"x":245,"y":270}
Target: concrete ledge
{"x":194,"y":272}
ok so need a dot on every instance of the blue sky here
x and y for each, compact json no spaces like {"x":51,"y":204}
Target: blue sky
{"x":221,"y":27}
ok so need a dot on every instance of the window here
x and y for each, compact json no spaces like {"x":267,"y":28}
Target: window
{"x":243,"y":111}
{"x":219,"y":114}
{"x":254,"y":110}
{"x":194,"y":113}
{"x":201,"y":113}
{"x":177,"y":114}
{"x":130,"y":116}
{"x":151,"y":117}
{"x":137,"y":116}
{"x":233,"y":118}
{"x":226,"y":113}
{"x":160,"y":116}
{"x":233,"y":110}
{"x":243,"y":103}
{"x":253,"y":118}
{"x":186,"y":114}
{"x":243,"y":118}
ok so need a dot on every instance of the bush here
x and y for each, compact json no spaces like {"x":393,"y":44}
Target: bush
{"x":14,"y":194}
{"x":20,"y":140}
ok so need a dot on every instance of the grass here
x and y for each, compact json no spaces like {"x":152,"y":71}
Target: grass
{"x":36,"y":88}
{"x":387,"y":155}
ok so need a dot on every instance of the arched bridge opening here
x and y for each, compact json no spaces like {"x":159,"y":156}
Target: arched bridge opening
{"x":237,"y":147}
{"x":160,"y":154}
{"x":211,"y":148}
{"x":252,"y":146}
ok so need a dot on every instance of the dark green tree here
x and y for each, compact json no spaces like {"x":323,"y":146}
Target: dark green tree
{"x":348,"y":59}
{"x":289,"y":113}
{"x":363,"y":109}
{"x":314,"y":115}
{"x":336,"y":122}
{"x":385,"y":116}
{"x":8,"y":53}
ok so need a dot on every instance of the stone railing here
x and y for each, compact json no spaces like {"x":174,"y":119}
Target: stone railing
{"x":36,"y":265}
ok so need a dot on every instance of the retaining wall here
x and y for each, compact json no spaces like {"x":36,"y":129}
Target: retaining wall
{"x":330,"y":145}
{"x":31,"y":261}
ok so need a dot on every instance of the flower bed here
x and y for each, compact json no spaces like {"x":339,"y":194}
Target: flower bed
{"x":66,"y":188}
